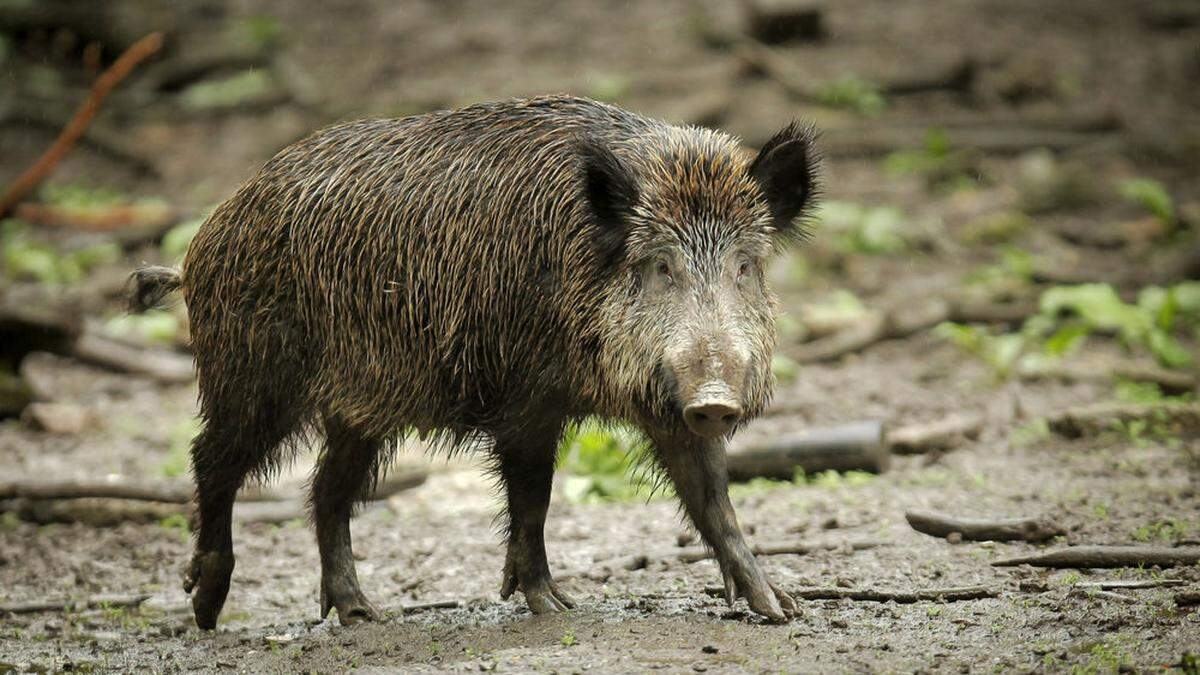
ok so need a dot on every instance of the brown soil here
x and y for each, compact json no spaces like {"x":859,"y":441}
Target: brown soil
{"x":438,"y":542}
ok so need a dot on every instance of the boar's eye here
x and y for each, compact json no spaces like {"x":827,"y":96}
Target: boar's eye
{"x":744,"y":267}
{"x":663,"y":269}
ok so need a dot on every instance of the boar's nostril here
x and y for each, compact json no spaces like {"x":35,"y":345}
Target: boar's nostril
{"x":711,"y":419}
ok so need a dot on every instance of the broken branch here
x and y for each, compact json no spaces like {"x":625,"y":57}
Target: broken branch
{"x":975,"y":529}
{"x":1107,"y":556}
{"x":857,"y":446}
{"x":902,"y":321}
{"x":691,"y":555}
{"x":73,"y":605}
{"x":937,"y":435}
{"x":120,"y":68}
{"x":1097,"y":419}
{"x":873,"y":595}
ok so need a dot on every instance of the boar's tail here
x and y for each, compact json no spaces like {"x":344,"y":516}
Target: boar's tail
{"x":151,"y":285}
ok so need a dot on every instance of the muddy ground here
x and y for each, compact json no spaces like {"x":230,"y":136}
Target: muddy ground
{"x":438,"y":542}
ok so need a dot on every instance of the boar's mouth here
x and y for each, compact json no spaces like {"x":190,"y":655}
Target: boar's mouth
{"x":710,"y":411}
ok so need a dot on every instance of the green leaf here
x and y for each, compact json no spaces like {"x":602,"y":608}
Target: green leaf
{"x":1066,"y":340}
{"x":1152,"y":196}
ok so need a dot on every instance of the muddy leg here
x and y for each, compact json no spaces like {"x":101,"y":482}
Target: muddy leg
{"x":346,"y":470}
{"x":526,"y":469}
{"x":697,"y":470}
{"x":220,"y":461}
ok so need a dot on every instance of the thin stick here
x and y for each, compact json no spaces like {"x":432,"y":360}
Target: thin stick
{"x":874,"y":595}
{"x":1107,"y":556}
{"x":421,"y":607}
{"x":180,"y":493}
{"x":1112,"y":584}
{"x":937,"y":435}
{"x":118,"y":71}
{"x":64,"y":605}
{"x":691,"y":555}
{"x":975,"y":529}
{"x":1097,"y":594}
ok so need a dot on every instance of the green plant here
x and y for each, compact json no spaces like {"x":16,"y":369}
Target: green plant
{"x":598,"y":459}
{"x":851,"y":92}
{"x":175,"y":242}
{"x":181,"y":435}
{"x":176,"y":522}
{"x":863,"y":229}
{"x":941,"y":165}
{"x":999,"y":352}
{"x":26,"y":257}
{"x":261,"y":30}
{"x":1150,"y":195}
{"x":785,"y":369}
{"x":151,"y":326}
{"x":227,"y":92}
{"x":1013,"y":273}
{"x":1170,"y":529}
{"x":1148,"y":323}
{"x":568,"y":639}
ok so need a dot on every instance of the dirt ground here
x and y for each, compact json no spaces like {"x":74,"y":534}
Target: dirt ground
{"x":438,"y":542}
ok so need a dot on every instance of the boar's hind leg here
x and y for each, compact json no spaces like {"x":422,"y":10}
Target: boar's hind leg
{"x":223,"y":453}
{"x":697,"y":470}
{"x":345,"y":472}
{"x":526,"y":468}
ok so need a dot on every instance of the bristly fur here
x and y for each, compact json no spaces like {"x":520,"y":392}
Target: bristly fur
{"x":474,"y":275}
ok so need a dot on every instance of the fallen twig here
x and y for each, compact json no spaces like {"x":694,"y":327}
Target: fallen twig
{"x":1112,"y":584}
{"x":1187,"y":598}
{"x":691,"y":555}
{"x":160,"y":365}
{"x":873,"y":595}
{"x":1096,"y":419}
{"x":1107,"y":556}
{"x":857,"y":446}
{"x":73,"y":605}
{"x":937,"y":435}
{"x":903,"y":321}
{"x":98,"y":219}
{"x":973,"y":529}
{"x":1094,"y":593}
{"x":424,"y":606}
{"x":173,"y":493}
{"x":956,"y":75}
{"x":120,"y":68}
{"x":1171,"y":381}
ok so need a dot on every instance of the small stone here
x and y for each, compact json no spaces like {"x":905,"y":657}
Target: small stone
{"x":279,"y":640}
{"x":56,"y":418}
{"x":709,"y":649}
{"x":954,"y":537}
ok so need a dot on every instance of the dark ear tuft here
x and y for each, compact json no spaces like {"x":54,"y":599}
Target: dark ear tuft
{"x":786,"y":170}
{"x":610,"y":192}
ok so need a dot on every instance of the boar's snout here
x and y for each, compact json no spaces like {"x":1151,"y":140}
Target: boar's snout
{"x":710,"y":419}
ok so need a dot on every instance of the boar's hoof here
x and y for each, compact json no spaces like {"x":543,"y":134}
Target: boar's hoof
{"x":352,"y":606}
{"x":545,"y":596}
{"x":771,"y":602}
{"x":208,"y":575}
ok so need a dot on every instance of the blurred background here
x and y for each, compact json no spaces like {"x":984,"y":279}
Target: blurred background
{"x":998,"y":315}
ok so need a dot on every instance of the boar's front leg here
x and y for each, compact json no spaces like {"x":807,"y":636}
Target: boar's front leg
{"x":697,"y":469}
{"x":526,"y":469}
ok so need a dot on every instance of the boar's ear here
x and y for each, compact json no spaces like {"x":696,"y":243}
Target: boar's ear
{"x":786,"y":171}
{"x":610,"y":193}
